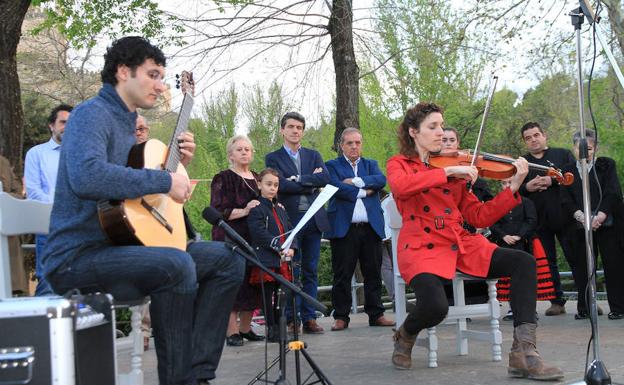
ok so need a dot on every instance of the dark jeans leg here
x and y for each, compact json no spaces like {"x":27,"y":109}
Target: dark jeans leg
{"x":219,"y":274}
{"x":431,"y":304}
{"x":613,"y":263}
{"x":311,"y":253}
{"x":305,"y":270}
{"x":271,"y":315}
{"x":43,"y":287}
{"x":370,"y":265}
{"x":547,"y":238}
{"x":520,"y":267}
{"x":344,"y":253}
{"x":580,"y":269}
{"x":167,"y":275}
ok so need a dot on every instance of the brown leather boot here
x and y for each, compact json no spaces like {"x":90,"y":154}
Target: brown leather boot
{"x":525,"y":361}
{"x":403,"y":344}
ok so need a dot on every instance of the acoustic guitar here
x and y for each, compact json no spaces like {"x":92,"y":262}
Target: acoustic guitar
{"x":155,"y":219}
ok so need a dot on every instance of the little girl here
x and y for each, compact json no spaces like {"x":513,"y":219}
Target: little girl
{"x":268,"y":224}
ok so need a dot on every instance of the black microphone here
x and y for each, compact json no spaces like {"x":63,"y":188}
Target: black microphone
{"x":213,"y":217}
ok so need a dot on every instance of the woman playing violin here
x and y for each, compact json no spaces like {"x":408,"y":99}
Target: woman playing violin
{"x":433,"y":244}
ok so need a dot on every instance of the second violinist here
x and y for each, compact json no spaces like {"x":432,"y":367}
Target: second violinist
{"x":433,"y":244}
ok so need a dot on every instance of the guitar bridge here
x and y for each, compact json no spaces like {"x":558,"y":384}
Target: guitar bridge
{"x":157,"y":215}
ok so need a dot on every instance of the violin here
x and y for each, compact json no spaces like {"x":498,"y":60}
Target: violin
{"x":494,"y":166}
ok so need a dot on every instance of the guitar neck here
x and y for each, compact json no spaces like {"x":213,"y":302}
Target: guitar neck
{"x":174,"y":156}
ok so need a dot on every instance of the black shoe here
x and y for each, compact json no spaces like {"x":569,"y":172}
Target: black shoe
{"x":203,"y":382}
{"x":251,"y":336}
{"x":234,"y":340}
{"x":615,"y":315}
{"x":581,"y":315}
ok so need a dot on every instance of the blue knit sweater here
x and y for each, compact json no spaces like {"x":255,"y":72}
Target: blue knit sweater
{"x":92,"y":167}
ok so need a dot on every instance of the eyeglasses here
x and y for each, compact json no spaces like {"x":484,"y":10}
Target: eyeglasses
{"x":142,"y":129}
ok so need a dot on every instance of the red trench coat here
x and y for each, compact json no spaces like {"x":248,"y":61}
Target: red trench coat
{"x":433,"y":208}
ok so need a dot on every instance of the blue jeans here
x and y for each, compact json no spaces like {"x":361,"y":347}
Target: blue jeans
{"x":191,"y":292}
{"x":43,"y":287}
{"x":305,"y":269}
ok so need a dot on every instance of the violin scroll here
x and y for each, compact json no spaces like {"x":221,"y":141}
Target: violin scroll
{"x":564,"y":179}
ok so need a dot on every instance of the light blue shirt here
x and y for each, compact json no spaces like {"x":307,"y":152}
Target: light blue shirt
{"x":293,"y":154}
{"x":40,"y":170}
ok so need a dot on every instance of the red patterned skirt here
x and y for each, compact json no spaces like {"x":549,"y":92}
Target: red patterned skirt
{"x":258,"y":275}
{"x":545,"y":287}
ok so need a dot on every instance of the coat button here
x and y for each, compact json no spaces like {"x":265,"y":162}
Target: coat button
{"x":426,"y":209}
{"x":447,"y":210}
{"x":427,"y":229}
{"x":454,"y":247}
{"x":446,"y":191}
{"x":430,"y":246}
{"x":406,"y":246}
{"x":426,"y":190}
{"x":412,"y":217}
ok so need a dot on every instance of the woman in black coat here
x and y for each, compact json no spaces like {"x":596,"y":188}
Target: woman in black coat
{"x":606,"y":223}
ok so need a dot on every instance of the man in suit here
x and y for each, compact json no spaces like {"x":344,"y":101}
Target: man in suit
{"x":544,"y":192}
{"x":357,"y":229}
{"x":302,"y":173}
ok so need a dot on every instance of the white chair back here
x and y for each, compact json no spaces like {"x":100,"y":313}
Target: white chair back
{"x":393,"y":220}
{"x":18,"y":216}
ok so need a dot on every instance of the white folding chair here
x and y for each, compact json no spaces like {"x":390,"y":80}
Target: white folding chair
{"x":458,"y":313}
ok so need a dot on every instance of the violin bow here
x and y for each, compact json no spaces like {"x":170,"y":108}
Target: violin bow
{"x":488,"y":103}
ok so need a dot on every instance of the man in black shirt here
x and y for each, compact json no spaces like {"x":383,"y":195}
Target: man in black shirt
{"x":544,"y":192}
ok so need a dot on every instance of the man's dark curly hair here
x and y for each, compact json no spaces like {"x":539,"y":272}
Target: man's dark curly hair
{"x":413,"y":117}
{"x":131,"y":51}
{"x":54,"y":113}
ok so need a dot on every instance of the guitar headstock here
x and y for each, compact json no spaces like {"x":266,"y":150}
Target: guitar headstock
{"x":185,"y":82}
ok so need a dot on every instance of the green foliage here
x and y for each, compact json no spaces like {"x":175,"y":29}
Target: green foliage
{"x":36,"y":111}
{"x":430,"y":57}
{"x":263,"y":114}
{"x":82,"y":21}
{"x":216,"y":125}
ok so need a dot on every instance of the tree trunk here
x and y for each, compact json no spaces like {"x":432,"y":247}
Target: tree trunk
{"x":345,"y":67}
{"x":12,"y":13}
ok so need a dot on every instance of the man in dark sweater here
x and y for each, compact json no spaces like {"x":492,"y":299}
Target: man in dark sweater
{"x":544,"y":192}
{"x":191,"y":292}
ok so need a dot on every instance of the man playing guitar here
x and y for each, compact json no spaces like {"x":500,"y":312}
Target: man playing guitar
{"x":191,"y":291}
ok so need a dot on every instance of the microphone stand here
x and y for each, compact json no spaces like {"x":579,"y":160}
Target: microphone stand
{"x":596,"y":373}
{"x":283,"y":281}
{"x":284,"y":346}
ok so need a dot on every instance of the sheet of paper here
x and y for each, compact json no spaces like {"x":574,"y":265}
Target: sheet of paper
{"x":328,"y":191}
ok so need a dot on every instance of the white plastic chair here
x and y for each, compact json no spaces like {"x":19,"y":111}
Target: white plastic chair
{"x":458,"y":313}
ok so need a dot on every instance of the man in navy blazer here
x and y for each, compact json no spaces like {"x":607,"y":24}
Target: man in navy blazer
{"x":302,"y":172}
{"x":357,"y":229}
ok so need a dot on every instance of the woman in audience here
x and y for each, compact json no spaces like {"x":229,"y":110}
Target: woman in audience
{"x":606,"y":224}
{"x":234,"y":192}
